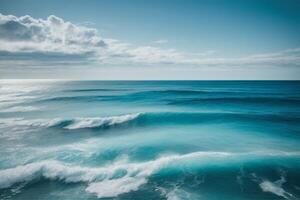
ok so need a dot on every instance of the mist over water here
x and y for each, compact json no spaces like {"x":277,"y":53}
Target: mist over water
{"x":149,"y":140}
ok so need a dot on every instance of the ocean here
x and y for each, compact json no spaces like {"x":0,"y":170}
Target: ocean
{"x":149,"y":140}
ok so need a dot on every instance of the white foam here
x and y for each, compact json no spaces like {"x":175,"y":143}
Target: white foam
{"x":101,"y":179}
{"x":103,"y":182}
{"x":175,"y":193}
{"x":178,"y":194}
{"x":100,"y":121}
{"x":47,"y":169}
{"x":115,"y":187}
{"x":20,"y":109}
{"x":77,"y":123}
{"x":276,"y":188}
{"x":8,"y":122}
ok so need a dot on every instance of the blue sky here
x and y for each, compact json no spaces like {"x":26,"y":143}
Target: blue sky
{"x":157,"y":39}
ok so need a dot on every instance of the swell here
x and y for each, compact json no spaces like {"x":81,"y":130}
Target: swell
{"x":182,"y":97}
{"x":85,"y":98}
{"x":196,"y":117}
{"x":201,"y":92}
{"x":238,"y":100}
{"x":122,"y":177}
{"x":76,"y":123}
{"x":148,"y":119}
{"x":100,"y":122}
{"x":94,"y":90}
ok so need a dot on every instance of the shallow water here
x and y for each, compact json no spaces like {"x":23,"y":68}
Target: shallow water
{"x":149,"y":139}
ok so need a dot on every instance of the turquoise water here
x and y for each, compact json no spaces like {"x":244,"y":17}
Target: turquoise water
{"x":149,"y":140}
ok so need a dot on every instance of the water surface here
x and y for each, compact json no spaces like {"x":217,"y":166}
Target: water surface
{"x":149,"y":140}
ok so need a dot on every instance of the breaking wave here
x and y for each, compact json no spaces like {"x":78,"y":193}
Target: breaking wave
{"x":103,"y":181}
{"x":144,"y":119}
{"x":100,"y":122}
{"x":124,"y":177}
{"x":77,"y":123}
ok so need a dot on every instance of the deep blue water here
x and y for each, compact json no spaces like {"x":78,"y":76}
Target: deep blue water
{"x":143,"y":140}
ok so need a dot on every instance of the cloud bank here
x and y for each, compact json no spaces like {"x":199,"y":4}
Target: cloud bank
{"x":56,"y":41}
{"x":53,"y":35}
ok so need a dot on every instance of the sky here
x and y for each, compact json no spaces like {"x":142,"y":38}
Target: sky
{"x":150,"y":39}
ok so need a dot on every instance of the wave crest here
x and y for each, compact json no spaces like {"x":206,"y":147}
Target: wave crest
{"x":100,"y":122}
{"x":102,"y":181}
{"x":160,"y":118}
{"x":107,"y":181}
{"x":77,"y":123}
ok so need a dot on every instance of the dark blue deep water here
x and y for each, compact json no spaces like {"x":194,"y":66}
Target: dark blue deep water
{"x":149,"y":140}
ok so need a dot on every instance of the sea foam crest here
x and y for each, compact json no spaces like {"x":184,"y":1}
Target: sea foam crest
{"x":106,"y":181}
{"x":276,"y":188}
{"x":77,"y":123}
{"x":101,"y":181}
{"x":8,"y":122}
{"x":100,"y":121}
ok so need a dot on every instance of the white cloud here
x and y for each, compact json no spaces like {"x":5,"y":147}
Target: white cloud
{"x":56,"y":41}
{"x":161,"y":41}
{"x":53,"y":35}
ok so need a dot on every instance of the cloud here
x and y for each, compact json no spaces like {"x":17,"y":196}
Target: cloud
{"x":53,"y":35}
{"x":289,"y":57}
{"x":161,"y":41}
{"x":53,"y":38}
{"x":53,"y":41}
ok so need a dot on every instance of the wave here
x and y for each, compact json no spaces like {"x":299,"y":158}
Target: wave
{"x":176,"y":96}
{"x":148,"y":119}
{"x":13,"y":122}
{"x":237,"y":100}
{"x":130,"y":96}
{"x":94,"y":90}
{"x":52,"y":169}
{"x":197,"y":92}
{"x":100,"y":122}
{"x":123,"y":177}
{"x":47,"y":169}
{"x":203,"y":117}
{"x":77,"y":123}
{"x":174,"y":92}
{"x":85,"y":98}
{"x":20,"y":109}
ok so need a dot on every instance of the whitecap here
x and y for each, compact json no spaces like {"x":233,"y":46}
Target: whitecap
{"x":103,"y":182}
{"x":178,"y":194}
{"x":115,"y":187}
{"x":80,"y":123}
{"x":77,"y":123}
{"x":276,"y":188}
{"x":20,"y":109}
{"x":13,"y":122}
{"x":98,"y":178}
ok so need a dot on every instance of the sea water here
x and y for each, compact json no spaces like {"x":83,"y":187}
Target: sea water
{"x":144,"y":140}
